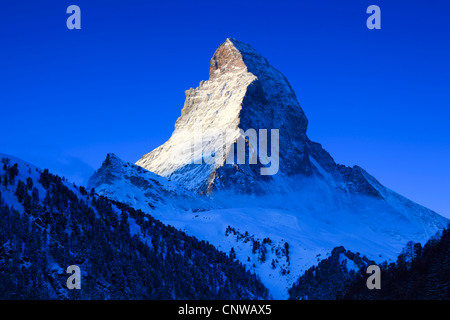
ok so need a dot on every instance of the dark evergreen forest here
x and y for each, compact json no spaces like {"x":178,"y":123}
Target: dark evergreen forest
{"x":122,"y":253}
{"x":420,"y":273}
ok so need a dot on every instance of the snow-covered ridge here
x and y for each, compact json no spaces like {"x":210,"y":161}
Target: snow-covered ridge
{"x":26,"y":171}
{"x":125,"y":182}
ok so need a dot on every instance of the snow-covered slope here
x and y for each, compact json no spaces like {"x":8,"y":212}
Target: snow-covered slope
{"x":313,"y":221}
{"x":312,"y":218}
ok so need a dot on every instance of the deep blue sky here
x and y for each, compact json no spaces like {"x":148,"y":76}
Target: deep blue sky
{"x":376,"y":98}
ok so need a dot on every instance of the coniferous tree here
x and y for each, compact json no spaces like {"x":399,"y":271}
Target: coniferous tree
{"x":20,"y":191}
{"x":29,"y":183}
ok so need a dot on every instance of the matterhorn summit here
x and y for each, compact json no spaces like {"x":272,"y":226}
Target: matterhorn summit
{"x":245,"y":95}
{"x":243,"y":92}
{"x":239,"y":169}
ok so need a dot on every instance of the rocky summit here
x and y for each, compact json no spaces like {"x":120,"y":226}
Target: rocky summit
{"x":245,"y":92}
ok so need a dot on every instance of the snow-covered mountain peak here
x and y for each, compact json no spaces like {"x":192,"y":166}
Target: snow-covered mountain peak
{"x":244,"y":93}
{"x":310,"y":206}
